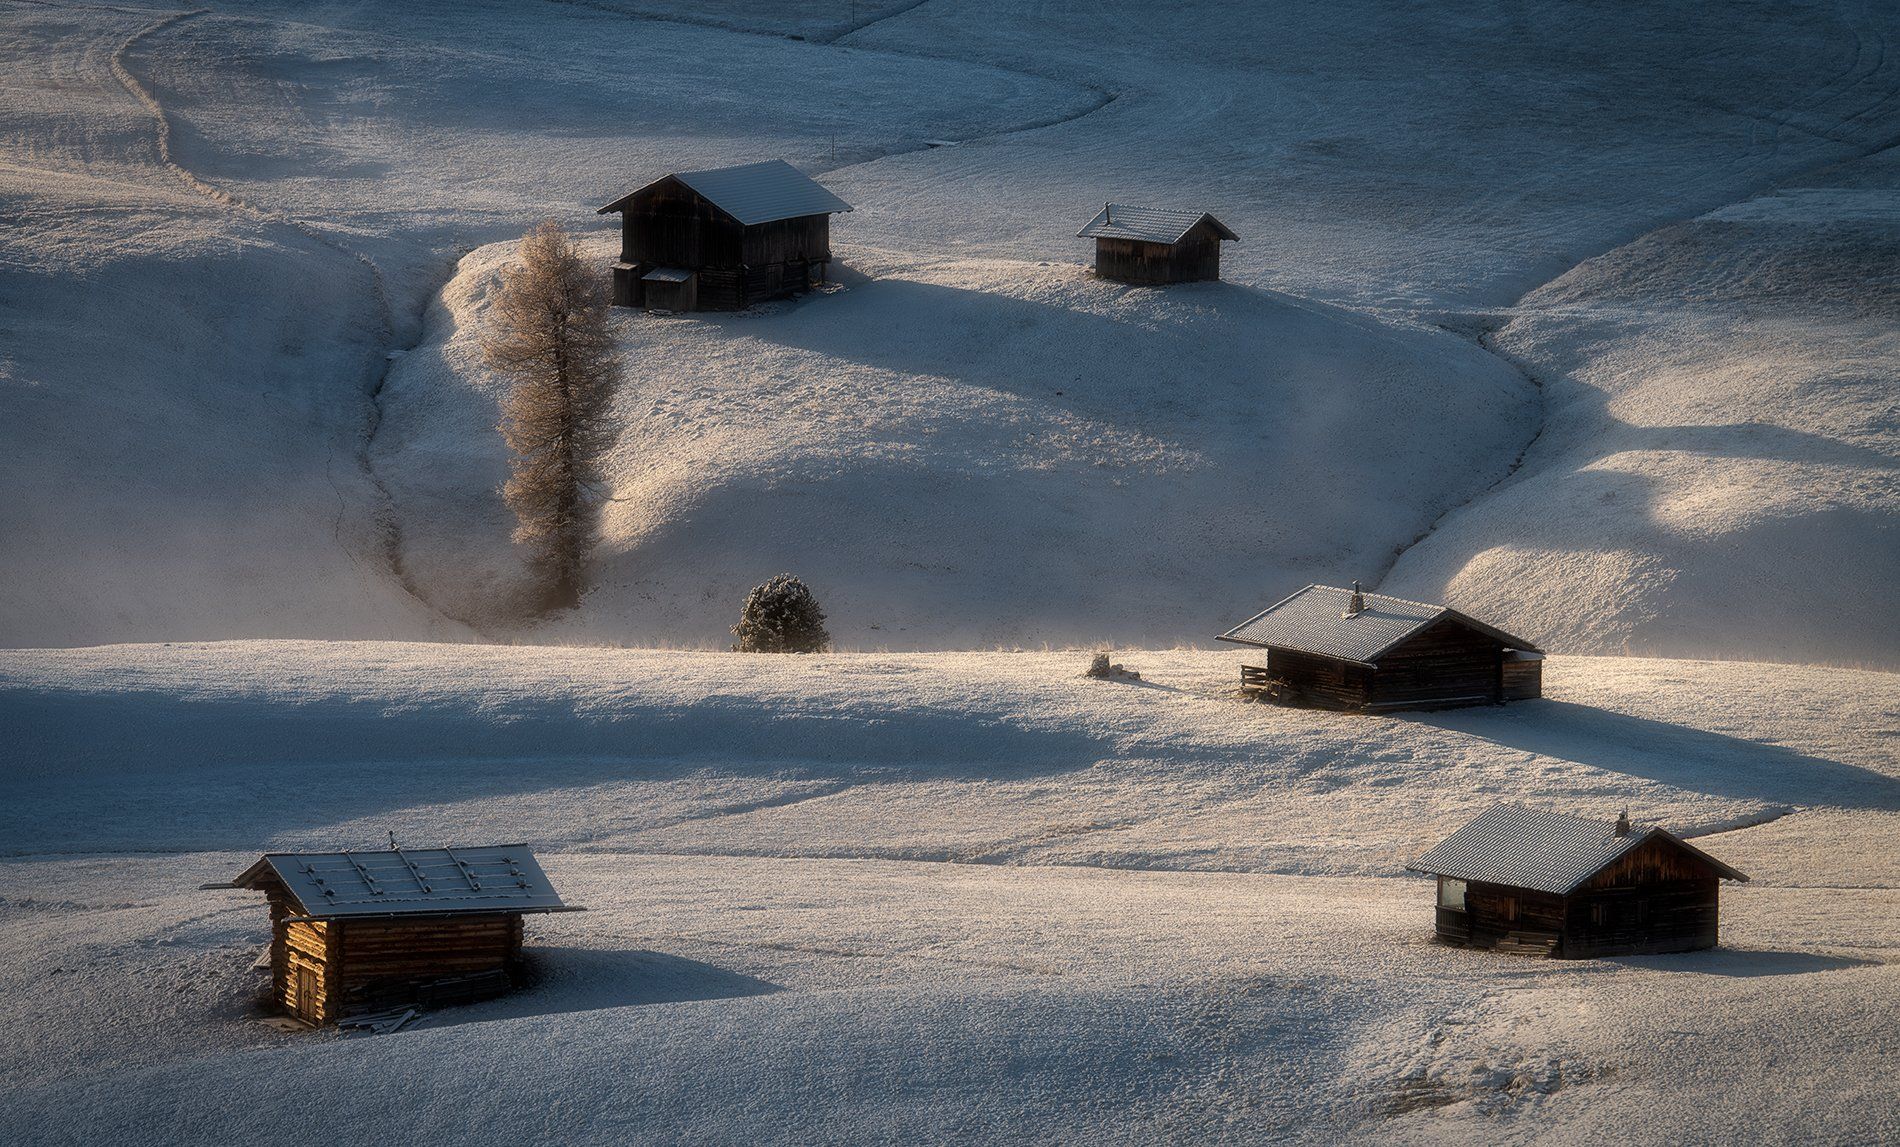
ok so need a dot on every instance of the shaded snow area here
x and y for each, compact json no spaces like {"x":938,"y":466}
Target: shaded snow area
{"x":230,"y":221}
{"x":944,"y":897}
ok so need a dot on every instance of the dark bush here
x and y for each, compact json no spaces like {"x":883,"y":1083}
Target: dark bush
{"x":781,"y":616}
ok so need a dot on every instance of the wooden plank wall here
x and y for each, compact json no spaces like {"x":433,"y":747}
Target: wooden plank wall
{"x":806,"y":239}
{"x":382,"y":962}
{"x":1659,"y":898}
{"x":674,"y":226}
{"x":1195,"y":258}
{"x":309,"y":945}
{"x":1445,"y":662}
{"x":1523,"y":680}
{"x":1494,"y":911}
{"x":1321,"y":680}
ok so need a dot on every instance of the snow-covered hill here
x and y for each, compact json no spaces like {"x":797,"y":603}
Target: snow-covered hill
{"x":1719,"y":468}
{"x":192,"y":410}
{"x":966,"y":453}
{"x":954,"y":897}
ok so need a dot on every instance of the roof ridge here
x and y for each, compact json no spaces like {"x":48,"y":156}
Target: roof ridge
{"x":1440,"y":606}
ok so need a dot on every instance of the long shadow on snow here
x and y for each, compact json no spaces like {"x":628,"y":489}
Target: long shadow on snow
{"x":1105,"y":363}
{"x":1692,"y":759}
{"x":1741,"y":963}
{"x":567,"y":980}
{"x":151,"y":769}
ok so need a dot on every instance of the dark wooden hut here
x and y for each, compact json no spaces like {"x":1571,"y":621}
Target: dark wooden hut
{"x":356,"y":932}
{"x":1343,"y":649}
{"x":724,"y":239}
{"x":1541,"y":883}
{"x":1151,"y":245}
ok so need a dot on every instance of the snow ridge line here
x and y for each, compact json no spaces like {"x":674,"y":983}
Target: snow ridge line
{"x":1103,"y":96}
{"x":387,"y":524}
{"x":854,"y":29}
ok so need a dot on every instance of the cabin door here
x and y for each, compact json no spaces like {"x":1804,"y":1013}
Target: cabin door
{"x":307,"y":995}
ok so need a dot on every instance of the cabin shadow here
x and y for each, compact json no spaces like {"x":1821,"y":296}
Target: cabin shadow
{"x":1678,"y":755}
{"x":1079,"y":351}
{"x":1744,"y":963}
{"x":560,"y":981}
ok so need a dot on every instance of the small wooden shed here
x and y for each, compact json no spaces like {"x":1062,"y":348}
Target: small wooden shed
{"x":722,"y":239}
{"x":1345,"y":649}
{"x":355,"y":932}
{"x":1151,"y":245}
{"x":1529,"y":881}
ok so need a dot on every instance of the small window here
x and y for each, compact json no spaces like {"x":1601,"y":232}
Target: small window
{"x":1599,"y":913}
{"x":1451,"y":894}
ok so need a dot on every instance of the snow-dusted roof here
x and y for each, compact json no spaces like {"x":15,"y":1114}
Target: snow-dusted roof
{"x":1531,"y":848}
{"x":753,"y":192}
{"x":666,"y":275}
{"x":1314,"y":620}
{"x":1148,"y":224}
{"x":408,"y":881}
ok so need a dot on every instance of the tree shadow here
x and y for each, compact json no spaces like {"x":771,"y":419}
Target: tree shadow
{"x":1678,"y":755}
{"x":1744,"y":963}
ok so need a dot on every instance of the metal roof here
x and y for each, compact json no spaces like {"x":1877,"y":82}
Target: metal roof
{"x":1148,"y":224}
{"x":753,"y":192}
{"x":408,"y":881}
{"x":1314,"y":620}
{"x":666,"y":275}
{"x":1544,"y":851}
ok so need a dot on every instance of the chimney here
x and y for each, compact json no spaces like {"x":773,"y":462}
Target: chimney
{"x":1108,"y":212}
{"x":1623,"y":823}
{"x":1357,"y":605}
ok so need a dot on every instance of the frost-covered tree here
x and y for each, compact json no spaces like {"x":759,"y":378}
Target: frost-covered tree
{"x":550,"y":338}
{"x":781,"y":616}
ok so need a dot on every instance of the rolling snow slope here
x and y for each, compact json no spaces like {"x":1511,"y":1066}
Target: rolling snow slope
{"x":1423,"y":165}
{"x":1719,"y":469}
{"x":964,"y":453}
{"x":962,"y":897}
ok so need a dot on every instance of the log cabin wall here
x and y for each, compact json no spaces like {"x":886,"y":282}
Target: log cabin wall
{"x":1444,"y":664}
{"x":806,"y":239}
{"x":310,"y":981}
{"x":1659,"y":898}
{"x":671,"y":225}
{"x":1324,"y":681}
{"x":1494,"y":911}
{"x":1194,"y":258}
{"x":325,"y":969}
{"x":382,"y":963}
{"x":1523,"y":678}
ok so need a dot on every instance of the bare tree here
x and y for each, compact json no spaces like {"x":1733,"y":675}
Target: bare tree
{"x":550,"y":336}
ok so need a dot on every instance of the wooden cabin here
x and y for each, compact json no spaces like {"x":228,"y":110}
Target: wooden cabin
{"x":724,"y":239}
{"x":1344,"y":649}
{"x":1150,"y":245}
{"x":358,"y":932}
{"x":1541,"y":883}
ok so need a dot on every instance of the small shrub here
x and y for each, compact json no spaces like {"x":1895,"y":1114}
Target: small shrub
{"x":1101,"y":667}
{"x":781,"y":616}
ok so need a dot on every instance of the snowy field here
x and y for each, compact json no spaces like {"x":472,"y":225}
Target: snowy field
{"x":1581,"y":317}
{"x":231,"y":221}
{"x":937,"y":896}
